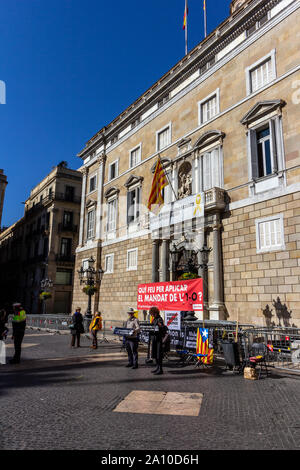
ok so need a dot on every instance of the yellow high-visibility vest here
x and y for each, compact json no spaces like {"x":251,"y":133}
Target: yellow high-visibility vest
{"x":99,"y":324}
{"x":18,"y":317}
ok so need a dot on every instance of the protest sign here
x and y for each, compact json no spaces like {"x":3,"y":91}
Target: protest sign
{"x":174,"y":296}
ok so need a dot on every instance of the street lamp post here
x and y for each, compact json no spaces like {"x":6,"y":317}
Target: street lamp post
{"x":90,"y":277}
{"x":45,"y":284}
{"x":204,"y":251}
{"x":189,"y":264}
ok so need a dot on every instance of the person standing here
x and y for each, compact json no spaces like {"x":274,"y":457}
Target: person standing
{"x":132,"y":341}
{"x":78,"y":327}
{"x":157,"y":342}
{"x":3,"y":334}
{"x":19,"y":325}
{"x":95,"y":326}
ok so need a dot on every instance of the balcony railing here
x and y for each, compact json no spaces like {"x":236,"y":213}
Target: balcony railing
{"x":54,"y":197}
{"x":67,"y":228}
{"x":65,"y":258}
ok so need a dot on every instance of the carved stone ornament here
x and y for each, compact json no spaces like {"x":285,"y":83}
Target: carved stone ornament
{"x":185,"y":180}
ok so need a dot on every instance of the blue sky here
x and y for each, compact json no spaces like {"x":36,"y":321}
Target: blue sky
{"x":71,"y":66}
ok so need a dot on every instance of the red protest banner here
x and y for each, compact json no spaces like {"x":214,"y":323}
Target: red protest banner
{"x":177,"y":295}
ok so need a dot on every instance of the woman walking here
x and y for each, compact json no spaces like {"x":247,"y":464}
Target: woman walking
{"x":77,"y":327}
{"x":95,"y":326}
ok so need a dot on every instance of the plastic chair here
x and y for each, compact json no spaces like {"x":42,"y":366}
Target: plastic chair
{"x":257,"y":357}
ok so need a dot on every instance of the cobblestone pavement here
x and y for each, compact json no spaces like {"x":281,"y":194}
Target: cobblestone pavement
{"x":63,"y":398}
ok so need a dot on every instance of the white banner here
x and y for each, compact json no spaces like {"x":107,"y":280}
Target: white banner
{"x":179,"y":211}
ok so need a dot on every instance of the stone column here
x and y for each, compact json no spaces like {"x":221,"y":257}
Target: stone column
{"x":99,"y":212}
{"x":155,"y":260}
{"x":165,"y":260}
{"x":82,"y":207}
{"x":218,"y":302}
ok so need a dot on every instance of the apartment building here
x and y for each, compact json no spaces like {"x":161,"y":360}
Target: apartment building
{"x":225,"y":123}
{"x":41,"y":245}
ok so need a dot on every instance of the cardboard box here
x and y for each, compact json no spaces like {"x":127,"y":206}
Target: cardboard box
{"x":250,"y":373}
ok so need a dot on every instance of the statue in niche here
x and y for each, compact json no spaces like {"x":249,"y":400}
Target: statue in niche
{"x":185,"y":180}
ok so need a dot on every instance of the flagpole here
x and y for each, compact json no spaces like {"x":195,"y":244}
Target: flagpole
{"x":167,"y":177}
{"x":205,"y":19}
{"x":186,"y":28}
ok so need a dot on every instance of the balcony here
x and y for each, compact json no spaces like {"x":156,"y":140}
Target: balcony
{"x":67,"y":228}
{"x":215,"y":199}
{"x":50,"y":198}
{"x":65,"y":258}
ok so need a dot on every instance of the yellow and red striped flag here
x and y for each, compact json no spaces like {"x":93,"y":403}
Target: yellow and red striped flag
{"x":185,"y":15}
{"x":204,"y":5}
{"x":202,"y":346}
{"x":159,"y":182}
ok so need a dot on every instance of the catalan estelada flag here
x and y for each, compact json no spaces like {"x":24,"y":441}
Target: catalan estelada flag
{"x":159,"y":182}
{"x":185,"y":15}
{"x":202,"y":346}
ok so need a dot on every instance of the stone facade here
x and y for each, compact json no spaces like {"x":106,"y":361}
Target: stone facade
{"x":41,"y":245}
{"x":224,"y":122}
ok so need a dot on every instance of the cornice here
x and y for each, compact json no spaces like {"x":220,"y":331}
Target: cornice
{"x":221,"y":37}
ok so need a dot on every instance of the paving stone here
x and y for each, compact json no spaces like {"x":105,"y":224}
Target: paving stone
{"x":59,"y":399}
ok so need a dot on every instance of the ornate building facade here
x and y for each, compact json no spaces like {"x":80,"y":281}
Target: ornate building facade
{"x":224,"y":122}
{"x":41,"y":245}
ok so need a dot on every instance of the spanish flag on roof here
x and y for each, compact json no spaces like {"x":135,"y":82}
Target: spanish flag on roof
{"x":158,"y":183}
{"x":185,"y":15}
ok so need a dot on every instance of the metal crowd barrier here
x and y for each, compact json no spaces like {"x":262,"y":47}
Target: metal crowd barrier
{"x":282,"y":343}
{"x":282,"y":346}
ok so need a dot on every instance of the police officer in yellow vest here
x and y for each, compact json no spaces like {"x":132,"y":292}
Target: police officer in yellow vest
{"x":19,"y":325}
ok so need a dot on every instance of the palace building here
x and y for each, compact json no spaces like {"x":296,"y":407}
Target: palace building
{"x":225,"y":123}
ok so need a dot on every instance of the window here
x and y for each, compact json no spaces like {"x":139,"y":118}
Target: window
{"x":263,"y":147}
{"x":67,"y":219}
{"x":63,"y":276}
{"x":133,"y":202}
{"x":261,"y":73}
{"x":209,"y":107}
{"x":258,"y":24}
{"x":65,"y":247}
{"x":264,"y":152}
{"x":132,"y":259}
{"x":135,"y":156}
{"x":93,"y":182}
{"x":111,"y":215}
{"x":163,"y":138}
{"x":270,"y":234}
{"x":109,"y":264}
{"x":69,"y":193}
{"x":90,"y":224}
{"x":113,"y":170}
{"x":211,"y":170}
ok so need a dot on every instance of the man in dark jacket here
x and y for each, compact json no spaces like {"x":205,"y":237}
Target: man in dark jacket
{"x":157,"y":344}
{"x":19,"y":325}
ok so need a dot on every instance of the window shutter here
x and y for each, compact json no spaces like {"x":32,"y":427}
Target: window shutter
{"x":273,"y":145}
{"x":215,"y":168}
{"x":206,"y":172}
{"x":252,"y":153}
